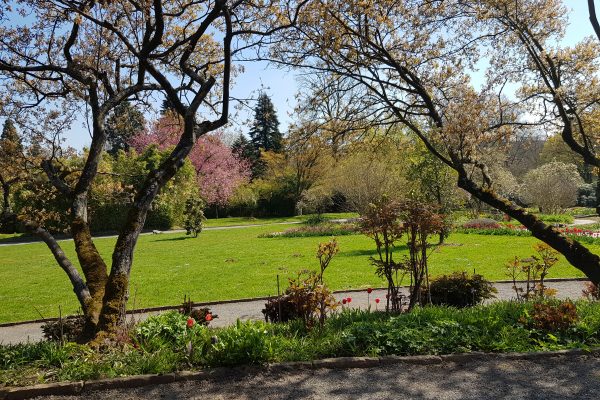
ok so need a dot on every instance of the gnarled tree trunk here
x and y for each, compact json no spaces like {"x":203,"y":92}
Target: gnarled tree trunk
{"x":577,"y":254}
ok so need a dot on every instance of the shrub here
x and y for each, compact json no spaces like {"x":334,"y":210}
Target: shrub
{"x":307,"y":298}
{"x":315,"y":219}
{"x":482,"y":223}
{"x":459,"y":290}
{"x":64,"y":329}
{"x":556,"y":218}
{"x":194,"y":216}
{"x":533,"y":270}
{"x":549,"y":317}
{"x":591,"y":291}
{"x":169,"y":329}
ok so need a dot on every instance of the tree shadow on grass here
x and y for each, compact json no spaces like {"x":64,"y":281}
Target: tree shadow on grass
{"x":372,"y":252}
{"x":174,"y":239}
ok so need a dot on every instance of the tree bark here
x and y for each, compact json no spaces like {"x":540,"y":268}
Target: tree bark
{"x":578,"y":255}
{"x":116,"y":293}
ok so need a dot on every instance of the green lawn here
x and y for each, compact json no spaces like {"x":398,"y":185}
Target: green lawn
{"x":231,"y":264}
{"x":209,"y":223}
{"x":233,"y":221}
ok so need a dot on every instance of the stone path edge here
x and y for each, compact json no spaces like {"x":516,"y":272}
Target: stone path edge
{"x":80,"y":387}
{"x":248,"y":300}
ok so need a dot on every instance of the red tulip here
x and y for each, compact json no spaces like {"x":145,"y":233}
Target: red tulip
{"x":369,"y":290}
{"x":349,"y":299}
{"x":344,"y":301}
{"x":208,"y":317}
{"x":190,"y":322}
{"x":377,"y":301}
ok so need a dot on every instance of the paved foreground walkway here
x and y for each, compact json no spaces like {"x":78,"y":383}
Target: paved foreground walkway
{"x":229,"y":313}
{"x":567,"y":377}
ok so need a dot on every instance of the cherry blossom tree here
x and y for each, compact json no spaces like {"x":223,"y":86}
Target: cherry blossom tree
{"x":219,"y":170}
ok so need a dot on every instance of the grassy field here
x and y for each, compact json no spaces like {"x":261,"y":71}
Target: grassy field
{"x":231,"y":264}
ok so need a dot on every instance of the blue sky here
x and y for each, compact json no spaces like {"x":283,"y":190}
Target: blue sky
{"x":282,"y":86}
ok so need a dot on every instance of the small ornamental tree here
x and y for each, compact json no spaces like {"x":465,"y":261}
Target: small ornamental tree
{"x":552,"y":187}
{"x":381,"y":222}
{"x":194,"y":216}
{"x":386,"y":222}
{"x":420,"y":222}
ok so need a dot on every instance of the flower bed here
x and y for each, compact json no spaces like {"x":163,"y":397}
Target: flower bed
{"x":581,"y":234}
{"x":168,"y":343}
{"x":326,"y":229}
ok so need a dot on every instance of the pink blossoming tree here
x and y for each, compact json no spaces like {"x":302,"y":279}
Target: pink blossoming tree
{"x":219,"y":170}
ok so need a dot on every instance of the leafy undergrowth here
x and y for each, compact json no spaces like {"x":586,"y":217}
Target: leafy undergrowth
{"x":165,"y":343}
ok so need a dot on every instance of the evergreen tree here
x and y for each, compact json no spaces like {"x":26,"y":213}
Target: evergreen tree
{"x":122,"y":125}
{"x":265,"y":129}
{"x":166,"y":106}
{"x":244,"y":149}
{"x":11,"y":150}
{"x":10,"y":140}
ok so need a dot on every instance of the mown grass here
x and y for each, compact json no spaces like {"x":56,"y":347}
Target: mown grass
{"x":164,"y":344}
{"x":233,"y":264}
{"x":7,"y":238}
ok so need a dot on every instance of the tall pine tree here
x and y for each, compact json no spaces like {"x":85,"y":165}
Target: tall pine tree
{"x":11,"y":150}
{"x":265,"y":133}
{"x":10,"y":140}
{"x":122,"y":125}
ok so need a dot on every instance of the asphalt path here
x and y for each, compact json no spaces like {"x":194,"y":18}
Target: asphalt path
{"x":566,"y":377}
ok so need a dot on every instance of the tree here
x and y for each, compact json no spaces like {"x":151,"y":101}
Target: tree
{"x":552,"y":187}
{"x":74,"y":55}
{"x":123,"y":123}
{"x":219,"y":170}
{"x":194,"y":216}
{"x":409,"y":61}
{"x":264,"y":133}
{"x":365,"y":172}
{"x":11,"y":170}
{"x":244,"y":149}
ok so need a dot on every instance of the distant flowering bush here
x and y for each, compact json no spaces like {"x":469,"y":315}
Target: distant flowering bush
{"x":481,"y":223}
{"x":581,"y":234}
{"x":328,"y":229}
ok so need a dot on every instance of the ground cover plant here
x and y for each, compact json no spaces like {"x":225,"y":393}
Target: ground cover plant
{"x":167,"y":342}
{"x":234,"y":264}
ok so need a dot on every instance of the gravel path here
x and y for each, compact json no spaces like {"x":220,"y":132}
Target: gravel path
{"x":229,"y":313}
{"x":567,"y":377}
{"x":577,"y":222}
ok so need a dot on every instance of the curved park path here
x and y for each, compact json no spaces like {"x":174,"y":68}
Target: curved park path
{"x":229,"y":312}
